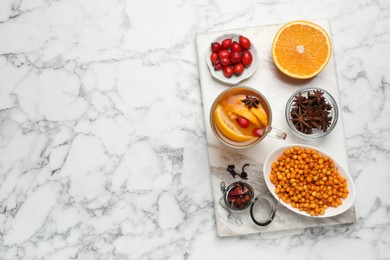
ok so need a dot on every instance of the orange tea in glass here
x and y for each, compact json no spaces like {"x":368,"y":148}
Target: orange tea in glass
{"x":241,"y":117}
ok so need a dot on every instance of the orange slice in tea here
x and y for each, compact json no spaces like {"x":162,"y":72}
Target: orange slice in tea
{"x":228,"y":128}
{"x":301,"y":49}
{"x":260,"y":113}
{"x":243,"y":112}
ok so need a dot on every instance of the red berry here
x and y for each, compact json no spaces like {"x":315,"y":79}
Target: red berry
{"x":235,"y":47}
{"x":243,"y":122}
{"x":216,"y":47}
{"x":244,"y":42}
{"x":218,"y":65}
{"x":235,"y":57}
{"x":246,"y":58}
{"x":226,"y":43}
{"x":225,"y":61}
{"x":224,"y":54}
{"x":228,"y":71}
{"x":257,"y":132}
{"x":238,"y":69}
{"x":213,"y":57}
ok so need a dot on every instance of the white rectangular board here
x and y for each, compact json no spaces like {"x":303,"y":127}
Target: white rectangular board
{"x":277,"y":88}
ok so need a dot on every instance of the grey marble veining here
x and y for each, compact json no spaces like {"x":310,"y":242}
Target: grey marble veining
{"x":102,"y":139}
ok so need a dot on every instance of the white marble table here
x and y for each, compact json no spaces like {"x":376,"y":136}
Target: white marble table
{"x":102,"y":142}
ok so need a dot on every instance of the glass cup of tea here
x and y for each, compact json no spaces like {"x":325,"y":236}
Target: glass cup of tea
{"x":241,"y":117}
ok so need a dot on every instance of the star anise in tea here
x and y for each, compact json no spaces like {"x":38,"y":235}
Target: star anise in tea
{"x":251,"y":101}
{"x":311,"y":111}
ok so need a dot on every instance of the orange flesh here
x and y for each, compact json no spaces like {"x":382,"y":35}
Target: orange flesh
{"x":301,"y":50}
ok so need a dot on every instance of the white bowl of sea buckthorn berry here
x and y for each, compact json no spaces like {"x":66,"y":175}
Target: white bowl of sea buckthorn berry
{"x":308,"y":181}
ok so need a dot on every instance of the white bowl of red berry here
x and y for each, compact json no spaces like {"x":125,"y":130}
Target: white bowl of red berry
{"x":232,"y":58}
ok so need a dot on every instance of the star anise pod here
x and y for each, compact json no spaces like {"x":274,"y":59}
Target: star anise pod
{"x":317,"y":96}
{"x":251,"y":101}
{"x":315,"y":124}
{"x":326,"y":106}
{"x":301,"y":101}
{"x":323,"y":114}
{"x":311,"y":112}
{"x":325,"y":123}
{"x":301,"y":121}
{"x":314,"y":117}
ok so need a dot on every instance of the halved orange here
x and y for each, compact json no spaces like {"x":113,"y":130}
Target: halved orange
{"x":301,"y":49}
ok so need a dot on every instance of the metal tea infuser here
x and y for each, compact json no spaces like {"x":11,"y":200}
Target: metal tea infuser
{"x":262,"y":208}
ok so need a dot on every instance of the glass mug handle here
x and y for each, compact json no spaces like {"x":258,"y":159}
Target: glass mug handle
{"x":276,"y":133}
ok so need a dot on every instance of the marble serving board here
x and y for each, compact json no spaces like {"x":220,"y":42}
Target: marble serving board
{"x":277,"y":88}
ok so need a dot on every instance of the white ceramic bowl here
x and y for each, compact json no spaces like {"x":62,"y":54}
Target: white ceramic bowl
{"x":233,"y":80}
{"x":330,"y":212}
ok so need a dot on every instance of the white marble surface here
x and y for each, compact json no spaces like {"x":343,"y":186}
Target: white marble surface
{"x":102,"y":140}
